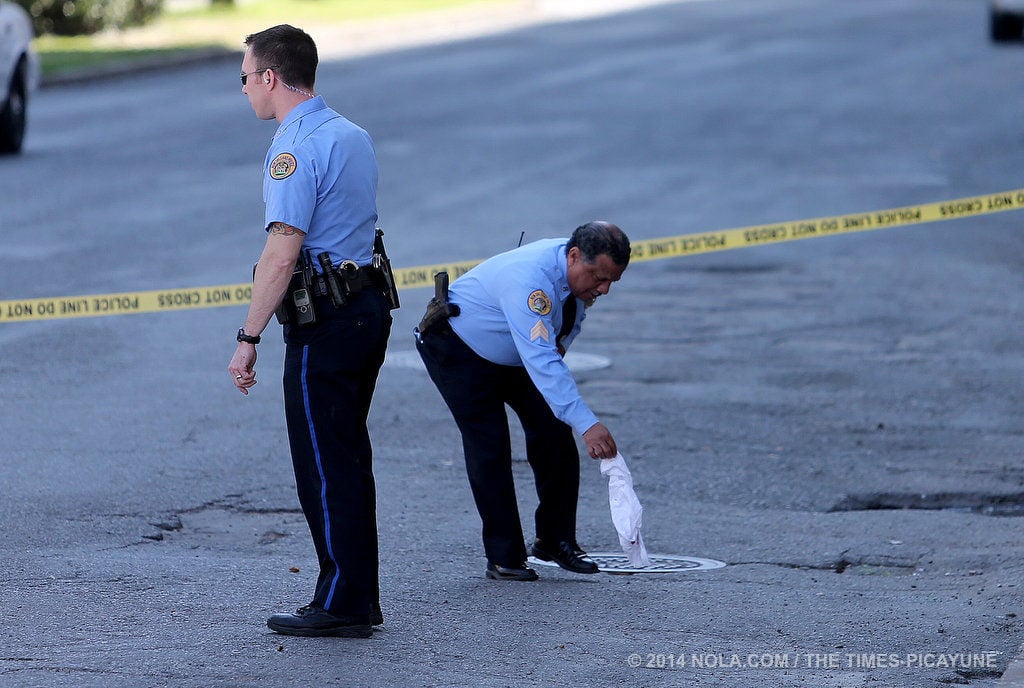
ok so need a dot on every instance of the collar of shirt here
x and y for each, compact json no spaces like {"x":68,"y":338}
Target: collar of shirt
{"x":299,"y":111}
{"x":562,"y":280}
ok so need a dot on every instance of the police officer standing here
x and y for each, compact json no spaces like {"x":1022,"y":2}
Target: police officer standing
{"x":319,"y":184}
{"x":516,"y":315}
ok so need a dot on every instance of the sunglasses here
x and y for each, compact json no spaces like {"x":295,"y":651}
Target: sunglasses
{"x":245,"y":77}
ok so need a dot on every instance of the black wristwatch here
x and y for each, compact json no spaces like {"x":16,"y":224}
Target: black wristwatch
{"x":247,"y":338}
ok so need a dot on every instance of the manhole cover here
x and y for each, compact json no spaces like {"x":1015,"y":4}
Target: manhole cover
{"x":578,"y":362}
{"x":611,"y":562}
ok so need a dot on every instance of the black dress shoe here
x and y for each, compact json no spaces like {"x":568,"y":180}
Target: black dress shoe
{"x":568,"y":555}
{"x":313,"y":620}
{"x":522,"y":573}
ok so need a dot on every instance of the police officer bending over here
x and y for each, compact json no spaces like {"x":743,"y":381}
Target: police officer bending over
{"x":320,"y":184}
{"x":516,"y":315}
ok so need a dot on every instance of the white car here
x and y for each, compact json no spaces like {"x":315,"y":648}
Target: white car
{"x":19,"y":74}
{"x":1007,"y":20}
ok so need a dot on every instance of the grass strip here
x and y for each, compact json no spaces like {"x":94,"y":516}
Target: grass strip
{"x":218,"y":26}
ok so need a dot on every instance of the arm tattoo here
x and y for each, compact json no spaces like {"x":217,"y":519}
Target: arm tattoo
{"x":283,"y":229}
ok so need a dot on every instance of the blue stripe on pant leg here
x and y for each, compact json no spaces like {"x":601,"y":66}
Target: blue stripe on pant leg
{"x":323,"y":480}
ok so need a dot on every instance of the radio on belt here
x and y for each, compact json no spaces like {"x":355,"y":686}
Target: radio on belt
{"x":304,"y":313}
{"x":296,"y":307}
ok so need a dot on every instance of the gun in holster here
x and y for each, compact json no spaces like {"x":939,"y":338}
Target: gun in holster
{"x":382,"y":264}
{"x":296,"y":308}
{"x":439,"y":309}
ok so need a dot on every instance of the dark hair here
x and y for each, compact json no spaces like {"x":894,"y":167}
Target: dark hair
{"x":291,"y":51}
{"x":596,"y":238}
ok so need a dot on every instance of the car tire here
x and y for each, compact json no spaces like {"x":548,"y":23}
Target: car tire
{"x":1006,"y":26}
{"x":13,"y":113}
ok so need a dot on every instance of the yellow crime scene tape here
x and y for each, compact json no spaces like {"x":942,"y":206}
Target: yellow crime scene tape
{"x":124,"y":303}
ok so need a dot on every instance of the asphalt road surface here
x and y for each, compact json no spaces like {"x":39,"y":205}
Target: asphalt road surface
{"x":838,"y":420}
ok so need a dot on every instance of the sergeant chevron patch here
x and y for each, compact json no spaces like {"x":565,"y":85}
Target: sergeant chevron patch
{"x":540,"y":331}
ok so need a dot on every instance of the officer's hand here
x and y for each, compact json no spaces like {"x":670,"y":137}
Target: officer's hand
{"x":241,"y":367}
{"x":600,"y":443}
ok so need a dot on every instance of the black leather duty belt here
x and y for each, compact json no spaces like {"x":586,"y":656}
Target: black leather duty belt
{"x":351,"y":284}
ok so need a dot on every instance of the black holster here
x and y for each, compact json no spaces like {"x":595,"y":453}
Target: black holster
{"x":439,"y":309}
{"x":382,"y":264}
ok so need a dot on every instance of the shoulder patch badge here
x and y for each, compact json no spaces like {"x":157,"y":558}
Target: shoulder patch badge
{"x":282,"y":166}
{"x":539,"y":302}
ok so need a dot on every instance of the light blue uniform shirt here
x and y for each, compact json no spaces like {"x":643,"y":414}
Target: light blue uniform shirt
{"x":511,"y":312}
{"x":320,"y":176}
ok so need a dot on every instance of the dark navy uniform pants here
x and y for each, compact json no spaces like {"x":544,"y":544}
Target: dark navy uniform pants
{"x":476,"y":391}
{"x":330,"y":372}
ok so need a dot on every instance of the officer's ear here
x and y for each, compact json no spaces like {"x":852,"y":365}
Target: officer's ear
{"x":573,"y":256}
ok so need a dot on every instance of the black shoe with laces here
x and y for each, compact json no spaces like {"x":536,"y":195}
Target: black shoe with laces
{"x":313,"y":620}
{"x":568,"y":555}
